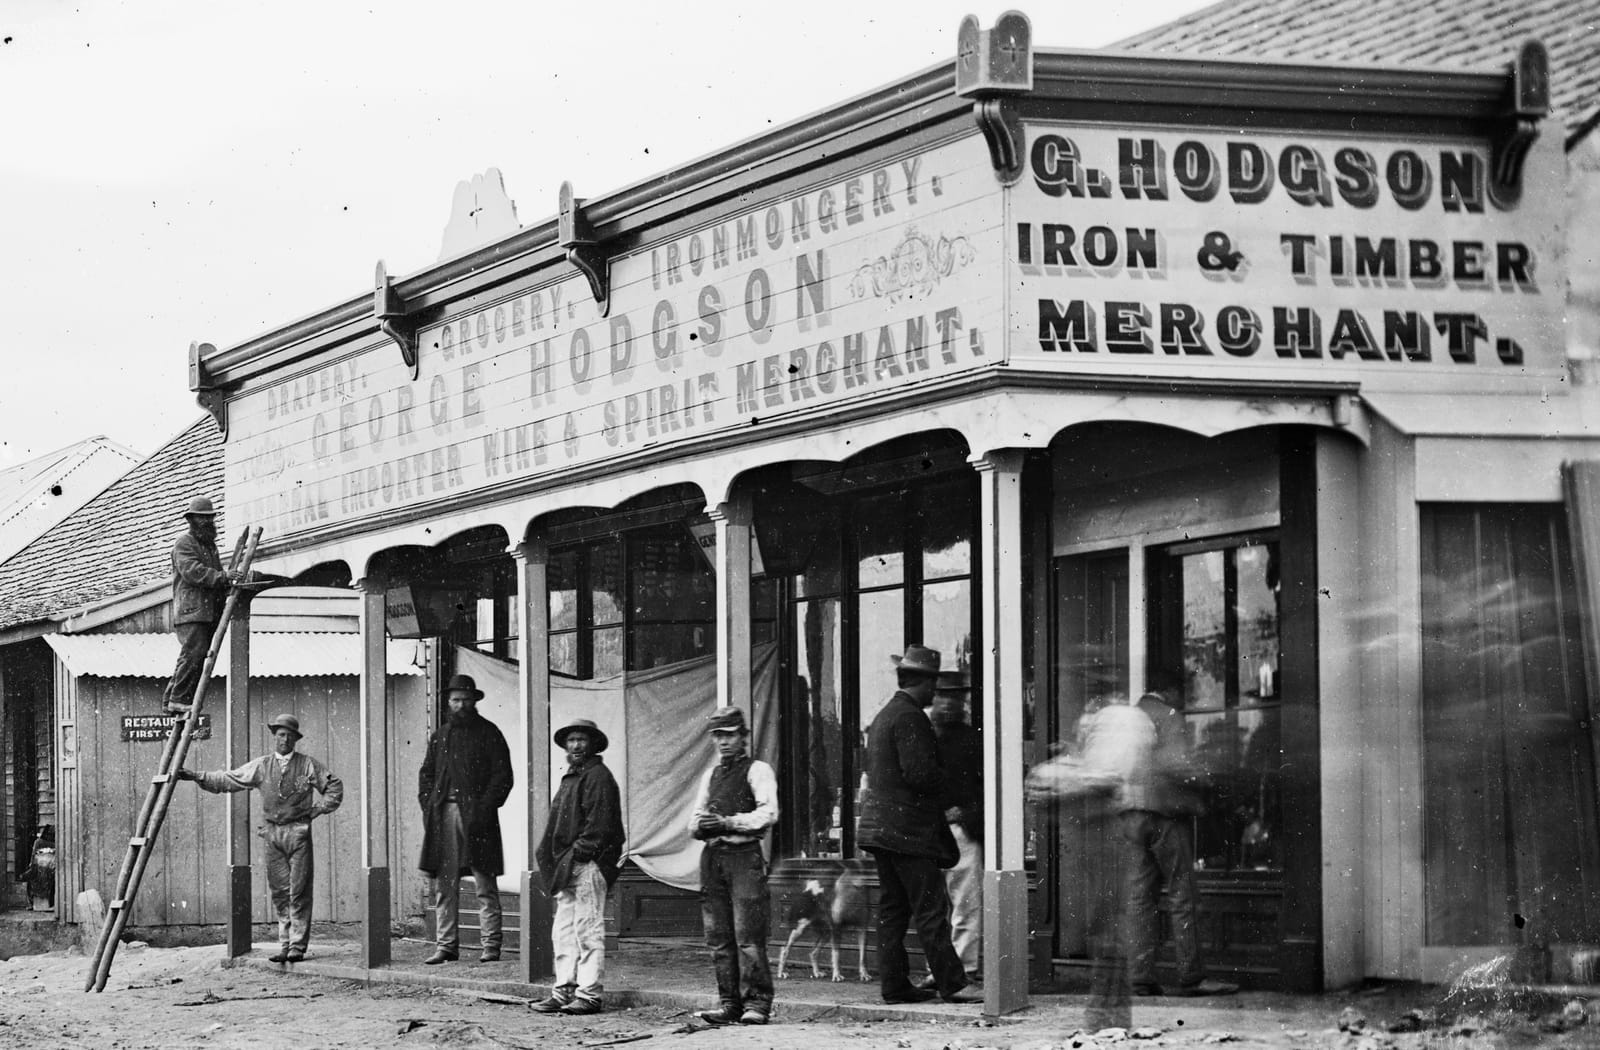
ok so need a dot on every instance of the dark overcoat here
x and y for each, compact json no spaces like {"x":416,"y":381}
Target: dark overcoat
{"x":904,"y":811}
{"x":474,"y":753}
{"x":585,"y":825}
{"x":199,"y":584}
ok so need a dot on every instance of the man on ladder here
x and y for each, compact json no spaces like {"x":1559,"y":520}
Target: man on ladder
{"x":199,"y":588}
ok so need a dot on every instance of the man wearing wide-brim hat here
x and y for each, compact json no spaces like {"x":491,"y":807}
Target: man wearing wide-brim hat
{"x":579,"y":857}
{"x":199,"y":589}
{"x":903,"y":826}
{"x":465,"y":779}
{"x":286,"y":779}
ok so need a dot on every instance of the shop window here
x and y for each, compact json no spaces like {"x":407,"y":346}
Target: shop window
{"x":673,"y":597}
{"x":633,"y":601}
{"x":1509,"y":826}
{"x":879,"y":570}
{"x":494,"y":625}
{"x":586,"y":628}
{"x":1214,"y":622}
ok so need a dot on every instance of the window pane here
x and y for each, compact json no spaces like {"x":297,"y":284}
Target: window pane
{"x":1256,"y":792}
{"x":655,"y":645}
{"x":1213,"y":740}
{"x":816,"y":734}
{"x":880,"y":531}
{"x":947,"y":622}
{"x":670,"y":579}
{"x":1205,"y":638}
{"x":946,"y":522}
{"x":563,"y":584}
{"x":1257,"y":616}
{"x":605,"y":581}
{"x":564,"y":653}
{"x":608,"y":652}
{"x":880,"y":633}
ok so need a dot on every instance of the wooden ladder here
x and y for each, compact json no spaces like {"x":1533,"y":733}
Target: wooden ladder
{"x":159,"y":797}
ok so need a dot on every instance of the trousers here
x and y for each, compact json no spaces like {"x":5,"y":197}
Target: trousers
{"x":1160,"y":851}
{"x":447,"y":890}
{"x":965,"y":884}
{"x":737,"y":914}
{"x":578,"y":935}
{"x":290,"y":870}
{"x":912,"y":890}
{"x":194,"y":642}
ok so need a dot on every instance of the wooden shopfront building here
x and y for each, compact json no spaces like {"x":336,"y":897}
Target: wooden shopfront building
{"x":1081,"y":368}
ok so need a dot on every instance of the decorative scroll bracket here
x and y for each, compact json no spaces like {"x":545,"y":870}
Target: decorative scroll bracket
{"x":209,"y":396}
{"x":1529,"y":103}
{"x":390,"y":310}
{"x":584,"y":249}
{"x":994,"y":67}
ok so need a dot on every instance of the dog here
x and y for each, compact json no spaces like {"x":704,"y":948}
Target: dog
{"x":830,"y":907}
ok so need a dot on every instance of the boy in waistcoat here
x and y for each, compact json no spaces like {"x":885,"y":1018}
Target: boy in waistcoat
{"x":735,"y":807}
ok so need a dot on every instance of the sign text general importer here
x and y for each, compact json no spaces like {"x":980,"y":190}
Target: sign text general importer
{"x":863,"y":285}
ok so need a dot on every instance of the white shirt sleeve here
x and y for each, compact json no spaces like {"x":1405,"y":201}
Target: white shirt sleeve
{"x":764,"y":785}
{"x":698,"y":809}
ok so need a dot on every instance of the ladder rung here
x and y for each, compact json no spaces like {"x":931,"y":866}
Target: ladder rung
{"x":138,"y":842}
{"x":118,"y":904}
{"x":161,"y":778}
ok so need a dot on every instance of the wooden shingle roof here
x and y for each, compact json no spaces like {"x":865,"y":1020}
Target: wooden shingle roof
{"x":122,"y":539}
{"x":1477,"y":35}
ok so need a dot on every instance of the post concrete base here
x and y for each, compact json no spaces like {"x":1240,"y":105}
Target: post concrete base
{"x":239,"y":933}
{"x":538,"y":959}
{"x":375,"y":918}
{"x":1005,"y":942}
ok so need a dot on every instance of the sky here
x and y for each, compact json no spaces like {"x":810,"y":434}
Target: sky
{"x":181,"y":171}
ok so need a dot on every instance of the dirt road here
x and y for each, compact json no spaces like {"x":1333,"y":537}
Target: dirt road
{"x":181,"y":997}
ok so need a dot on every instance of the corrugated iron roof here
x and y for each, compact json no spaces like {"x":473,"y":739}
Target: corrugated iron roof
{"x":1450,"y":34}
{"x":271,"y":655}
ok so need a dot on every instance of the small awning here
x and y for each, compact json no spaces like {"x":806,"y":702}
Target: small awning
{"x":271,"y":655}
{"x":1562,"y":414}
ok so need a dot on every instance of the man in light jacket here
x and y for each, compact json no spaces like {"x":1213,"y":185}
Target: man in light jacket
{"x":286,"y":779}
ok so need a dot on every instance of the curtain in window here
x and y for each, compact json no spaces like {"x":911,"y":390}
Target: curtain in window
{"x":1509,"y":788}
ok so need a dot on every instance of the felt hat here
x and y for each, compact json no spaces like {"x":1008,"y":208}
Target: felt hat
{"x":727,"y":719}
{"x":289,"y":722}
{"x":463,"y":683}
{"x":918,"y":659}
{"x":594,"y":731}
{"x":200,"y":507}
{"x":952,"y":682}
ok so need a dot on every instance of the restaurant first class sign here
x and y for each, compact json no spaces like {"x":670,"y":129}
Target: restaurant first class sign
{"x":859,"y":287}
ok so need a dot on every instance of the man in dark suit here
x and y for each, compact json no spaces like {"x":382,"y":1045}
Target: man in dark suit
{"x":199,"y":588}
{"x":903,"y":826}
{"x":465,"y":779}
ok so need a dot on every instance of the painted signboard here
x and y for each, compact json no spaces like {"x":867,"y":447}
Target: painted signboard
{"x":864,"y":285}
{"x":1295,"y":257}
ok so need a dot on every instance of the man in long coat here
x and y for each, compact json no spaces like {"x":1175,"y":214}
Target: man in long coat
{"x":903,"y":826}
{"x":465,"y":779}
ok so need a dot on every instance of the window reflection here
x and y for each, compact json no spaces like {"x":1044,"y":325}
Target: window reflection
{"x":817,"y":733}
{"x":1214,"y":634}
